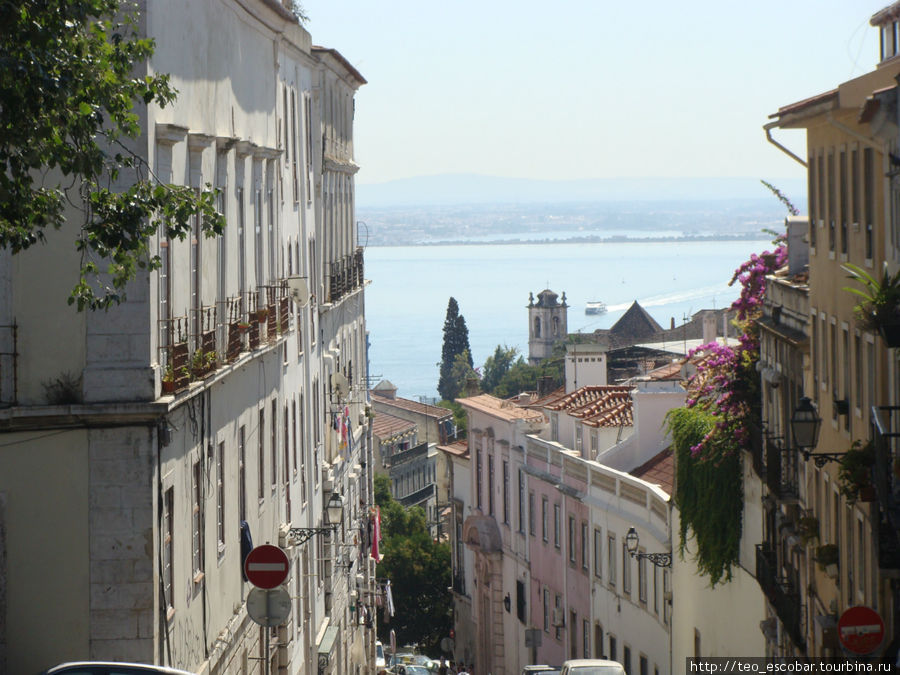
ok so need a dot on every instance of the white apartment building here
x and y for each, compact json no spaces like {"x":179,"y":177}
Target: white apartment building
{"x":228,"y":389}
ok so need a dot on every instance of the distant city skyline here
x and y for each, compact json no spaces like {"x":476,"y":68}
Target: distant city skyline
{"x":588,"y":88}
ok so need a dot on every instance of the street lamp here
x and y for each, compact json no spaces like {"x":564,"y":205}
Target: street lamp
{"x":805,"y":425}
{"x":334,"y":510}
{"x":632,"y":540}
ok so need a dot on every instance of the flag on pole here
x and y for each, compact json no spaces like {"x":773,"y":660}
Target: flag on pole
{"x":390,"y":598}
{"x":376,"y":535}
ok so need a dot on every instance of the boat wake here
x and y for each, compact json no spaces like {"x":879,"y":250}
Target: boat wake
{"x":708,"y":294}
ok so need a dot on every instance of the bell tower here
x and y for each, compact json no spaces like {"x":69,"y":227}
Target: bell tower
{"x":547,"y":324}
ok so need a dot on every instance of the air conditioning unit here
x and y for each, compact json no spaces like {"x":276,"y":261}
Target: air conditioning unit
{"x":559,"y":617}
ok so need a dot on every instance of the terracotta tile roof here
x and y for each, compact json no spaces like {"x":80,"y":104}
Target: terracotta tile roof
{"x":659,"y":470}
{"x":459,"y":448}
{"x":810,"y":102}
{"x":386,"y":426}
{"x":500,"y":408}
{"x":413,"y":406}
{"x":598,"y":406}
{"x":552,"y":397}
{"x":670,"y":371}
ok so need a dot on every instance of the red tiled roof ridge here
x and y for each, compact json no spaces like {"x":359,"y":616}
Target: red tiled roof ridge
{"x":659,"y":470}
{"x":414,"y":406}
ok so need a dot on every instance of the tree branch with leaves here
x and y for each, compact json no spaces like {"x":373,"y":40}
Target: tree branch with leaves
{"x":69,"y":96}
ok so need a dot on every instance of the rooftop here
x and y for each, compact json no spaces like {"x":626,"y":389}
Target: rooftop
{"x":501,"y":408}
{"x":658,"y":470}
{"x":457,"y":448}
{"x":598,"y":406}
{"x":386,"y":426}
{"x":412,"y":406}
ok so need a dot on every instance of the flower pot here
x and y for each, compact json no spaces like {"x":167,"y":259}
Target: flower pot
{"x":168,"y":386}
{"x":891,"y":334}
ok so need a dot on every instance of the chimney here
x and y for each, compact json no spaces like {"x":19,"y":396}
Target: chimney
{"x":544,"y":384}
{"x":472,"y":388}
{"x":798,"y":243}
{"x":672,"y":325}
{"x":709,"y":327}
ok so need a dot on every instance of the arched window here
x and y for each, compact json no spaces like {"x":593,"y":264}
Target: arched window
{"x":555,"y":326}
{"x":537,"y":326}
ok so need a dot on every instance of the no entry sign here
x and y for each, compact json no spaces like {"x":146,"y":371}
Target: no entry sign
{"x":266,"y":566}
{"x":860,"y":630}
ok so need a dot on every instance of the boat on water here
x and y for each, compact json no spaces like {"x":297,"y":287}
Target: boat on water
{"x":595,"y":307}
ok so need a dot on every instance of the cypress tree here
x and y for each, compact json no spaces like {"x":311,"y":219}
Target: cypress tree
{"x":456,"y":341}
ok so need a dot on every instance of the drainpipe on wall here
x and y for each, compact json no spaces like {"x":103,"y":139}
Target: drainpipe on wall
{"x":768,"y":127}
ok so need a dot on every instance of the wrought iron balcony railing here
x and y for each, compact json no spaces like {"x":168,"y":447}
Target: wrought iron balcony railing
{"x":782,"y":471}
{"x":344,"y":275}
{"x":781,"y":593}
{"x":886,"y":522}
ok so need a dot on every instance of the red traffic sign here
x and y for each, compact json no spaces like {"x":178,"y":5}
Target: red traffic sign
{"x":266,"y":566}
{"x":860,"y":630}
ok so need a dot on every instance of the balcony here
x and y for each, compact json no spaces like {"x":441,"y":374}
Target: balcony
{"x":781,"y":593}
{"x":235,"y":328}
{"x":781,"y":472}
{"x":204,"y":358}
{"x":174,"y":354}
{"x":886,"y":522}
{"x":344,"y":276}
{"x":419,"y":497}
{"x":277,"y":309}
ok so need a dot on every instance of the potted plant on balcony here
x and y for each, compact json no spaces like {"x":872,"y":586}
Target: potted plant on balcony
{"x":828,"y":557}
{"x":168,"y":380}
{"x":808,"y":529}
{"x":855,"y":472}
{"x":879,"y":308}
{"x":203,"y":362}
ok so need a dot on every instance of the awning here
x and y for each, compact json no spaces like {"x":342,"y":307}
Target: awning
{"x":326,"y":646}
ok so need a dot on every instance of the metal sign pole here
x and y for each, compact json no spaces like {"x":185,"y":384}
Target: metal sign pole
{"x":268,"y":661}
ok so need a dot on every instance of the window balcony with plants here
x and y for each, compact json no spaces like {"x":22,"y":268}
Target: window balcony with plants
{"x":885,"y":477}
{"x":174,"y":354}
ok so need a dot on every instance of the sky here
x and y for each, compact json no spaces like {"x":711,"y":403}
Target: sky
{"x":588,"y":88}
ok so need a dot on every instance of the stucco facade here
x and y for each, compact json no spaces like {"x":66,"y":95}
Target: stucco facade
{"x":851,"y":134}
{"x":137,"y":458}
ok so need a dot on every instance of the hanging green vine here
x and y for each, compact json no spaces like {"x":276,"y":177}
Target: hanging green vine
{"x":722,"y":406}
{"x":709,"y":493}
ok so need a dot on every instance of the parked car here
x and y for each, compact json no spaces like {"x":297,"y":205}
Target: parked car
{"x":111,"y":668}
{"x":380,"y":663}
{"x":411,"y":669}
{"x":592,"y":667}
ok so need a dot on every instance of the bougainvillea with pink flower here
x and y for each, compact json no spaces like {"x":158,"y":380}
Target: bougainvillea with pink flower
{"x":723,"y":402}
{"x":726,"y":382}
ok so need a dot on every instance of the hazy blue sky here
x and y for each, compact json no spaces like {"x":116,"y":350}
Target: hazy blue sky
{"x":587,"y":88}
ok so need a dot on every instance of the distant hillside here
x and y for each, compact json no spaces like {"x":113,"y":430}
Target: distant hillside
{"x":453,"y":189}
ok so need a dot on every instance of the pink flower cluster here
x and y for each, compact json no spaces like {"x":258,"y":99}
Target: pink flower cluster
{"x":752,"y":277}
{"x":724,"y":384}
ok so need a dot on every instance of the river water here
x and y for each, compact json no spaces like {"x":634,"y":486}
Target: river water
{"x":411,"y":285}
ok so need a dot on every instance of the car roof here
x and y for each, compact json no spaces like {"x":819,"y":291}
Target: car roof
{"x":136,"y":667}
